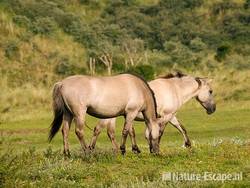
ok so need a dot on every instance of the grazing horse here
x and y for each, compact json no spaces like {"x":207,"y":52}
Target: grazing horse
{"x":103,"y":97}
{"x":171,"y":92}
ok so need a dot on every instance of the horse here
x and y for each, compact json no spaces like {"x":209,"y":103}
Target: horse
{"x":171,"y":92}
{"x":103,"y":97}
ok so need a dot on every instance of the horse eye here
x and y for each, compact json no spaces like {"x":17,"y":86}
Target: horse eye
{"x":211,"y":91}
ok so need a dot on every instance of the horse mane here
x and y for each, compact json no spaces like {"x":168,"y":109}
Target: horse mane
{"x":197,"y":79}
{"x":178,"y":74}
{"x":146,"y":83}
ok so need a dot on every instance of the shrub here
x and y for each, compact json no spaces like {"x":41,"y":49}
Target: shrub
{"x":119,"y":67}
{"x":170,"y":46}
{"x":146,"y":71}
{"x":180,"y":4}
{"x":222,"y":7}
{"x":222,"y":51}
{"x":247,"y":4}
{"x":237,"y":27}
{"x":45,"y":26}
{"x":93,"y":3}
{"x":69,"y":22}
{"x":67,"y":68}
{"x":12,"y":49}
{"x":197,"y":44}
{"x":22,"y":21}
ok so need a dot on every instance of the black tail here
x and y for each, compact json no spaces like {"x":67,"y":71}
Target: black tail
{"x":59,"y":108}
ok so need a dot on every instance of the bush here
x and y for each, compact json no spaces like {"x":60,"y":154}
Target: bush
{"x":12,"y":49}
{"x":197,"y":45}
{"x":237,"y":27}
{"x":180,"y":4}
{"x":146,"y":71}
{"x":222,"y":51}
{"x":118,"y":67}
{"x":45,"y":26}
{"x":69,"y":22}
{"x":66,"y":68}
{"x":223,"y":7}
{"x":93,"y":3}
{"x":22,"y":21}
{"x":247,"y":4}
{"x":170,"y":46}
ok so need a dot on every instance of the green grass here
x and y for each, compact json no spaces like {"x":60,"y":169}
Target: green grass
{"x":220,"y":145}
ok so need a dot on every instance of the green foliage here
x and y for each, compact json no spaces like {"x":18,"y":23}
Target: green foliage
{"x":45,"y":26}
{"x":237,"y":26}
{"x":222,"y":51}
{"x":12,"y":49}
{"x":66,"y":68}
{"x":181,"y":54}
{"x":180,"y":4}
{"x":119,"y":67}
{"x":165,"y":34}
{"x":146,"y":71}
{"x":197,"y":45}
{"x":222,"y":7}
{"x":92,"y":3}
{"x":247,"y":4}
{"x":22,"y":21}
{"x":170,"y":46}
{"x":153,"y":24}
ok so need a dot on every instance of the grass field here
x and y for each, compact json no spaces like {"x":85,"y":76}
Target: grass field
{"x":220,"y":145}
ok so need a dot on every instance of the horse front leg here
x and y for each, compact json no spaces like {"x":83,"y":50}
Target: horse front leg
{"x":67,"y":119}
{"x":135,"y":148}
{"x":127,"y":126}
{"x":174,"y":121}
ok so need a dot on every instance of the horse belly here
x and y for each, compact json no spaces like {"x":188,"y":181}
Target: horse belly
{"x":105,"y":111}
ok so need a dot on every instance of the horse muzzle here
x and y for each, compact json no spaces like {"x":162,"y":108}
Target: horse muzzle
{"x":154,"y":146}
{"x":211,"y":109}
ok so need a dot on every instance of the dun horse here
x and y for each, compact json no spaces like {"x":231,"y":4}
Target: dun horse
{"x":103,"y":97}
{"x":171,"y":92}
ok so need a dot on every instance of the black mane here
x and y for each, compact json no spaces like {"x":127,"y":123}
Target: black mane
{"x":178,"y":74}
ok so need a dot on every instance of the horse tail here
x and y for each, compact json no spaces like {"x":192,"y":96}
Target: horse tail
{"x":58,"y":107}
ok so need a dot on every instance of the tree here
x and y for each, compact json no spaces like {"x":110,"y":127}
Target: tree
{"x":133,"y":51}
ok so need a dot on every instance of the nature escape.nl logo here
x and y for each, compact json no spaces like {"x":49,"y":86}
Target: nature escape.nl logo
{"x":205,"y":176}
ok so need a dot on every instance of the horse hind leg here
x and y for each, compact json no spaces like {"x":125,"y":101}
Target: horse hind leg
{"x":97,"y":130}
{"x":67,"y":119}
{"x":111,"y":134}
{"x":174,"y":121}
{"x":79,"y":129}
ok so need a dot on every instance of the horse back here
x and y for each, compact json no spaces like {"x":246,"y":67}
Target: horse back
{"x":104,"y":95}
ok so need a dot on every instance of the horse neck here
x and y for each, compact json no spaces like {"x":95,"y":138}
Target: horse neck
{"x":150,"y":113}
{"x":188,"y":90}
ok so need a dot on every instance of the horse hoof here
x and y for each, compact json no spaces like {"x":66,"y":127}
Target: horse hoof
{"x":187,"y":144}
{"x":66,"y":154}
{"x":123,"y":150}
{"x":91,"y":148}
{"x":136,"y":150}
